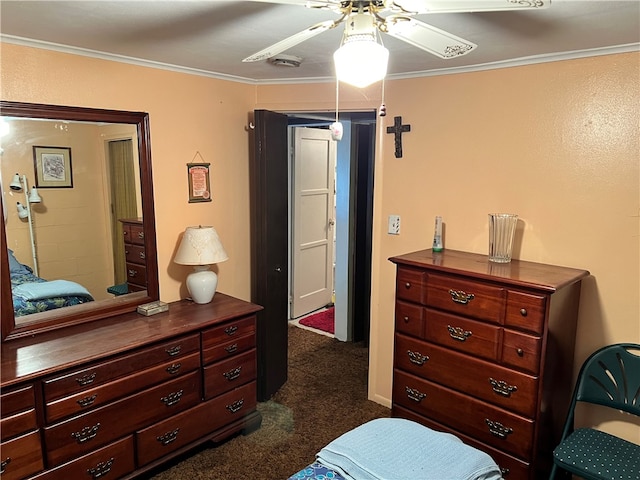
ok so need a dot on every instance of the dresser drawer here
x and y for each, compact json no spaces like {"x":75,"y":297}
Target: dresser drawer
{"x":21,"y":456}
{"x":111,"y":462}
{"x":465,"y":297}
{"x":229,"y":348}
{"x":85,"y":432}
{"x":512,"y":468}
{"x":498,"y":385}
{"x":133,"y":233}
{"x":86,"y":378}
{"x":94,"y":397}
{"x":468,"y":336}
{"x":135,"y":254}
{"x":181,"y":429}
{"x":525,"y":311}
{"x":410,"y":319}
{"x":410,"y":285}
{"x":177,"y":431}
{"x":227,"y":374}
{"x":492,"y":425}
{"x":218,"y":342}
{"x":136,"y":274}
{"x":232,"y":406}
{"x":521,"y":351}
{"x":18,"y":412}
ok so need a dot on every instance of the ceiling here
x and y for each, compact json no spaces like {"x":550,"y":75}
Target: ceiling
{"x":212,"y":37}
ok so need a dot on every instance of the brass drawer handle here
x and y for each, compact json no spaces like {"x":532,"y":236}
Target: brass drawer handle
{"x":86,"y":379}
{"x":142,"y":255}
{"x":173,"y":351}
{"x":173,"y":368}
{"x":231,"y":348}
{"x":406,"y":319}
{"x":458,"y":296}
{"x":172,"y":398}
{"x":504,"y":471}
{"x":497,"y":429}
{"x":132,"y":273}
{"x":3,"y":464}
{"x":168,"y":437}
{"x":415,"y":395}
{"x":235,"y":406}
{"x":458,"y":333}
{"x":231,"y":330}
{"x":86,"y":434}
{"x":417,"y":357}
{"x":87,"y":401}
{"x":502,"y":388}
{"x":232,"y":374}
{"x":101,"y":469}
{"x":140,"y":235}
{"x":407,"y":285}
{"x":523,"y":312}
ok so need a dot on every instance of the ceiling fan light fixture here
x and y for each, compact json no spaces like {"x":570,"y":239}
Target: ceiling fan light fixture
{"x":361,"y":61}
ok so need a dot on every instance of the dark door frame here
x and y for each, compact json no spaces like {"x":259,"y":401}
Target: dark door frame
{"x":269,"y":177}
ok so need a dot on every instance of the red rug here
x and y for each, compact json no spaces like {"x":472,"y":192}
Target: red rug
{"x":321,"y":320}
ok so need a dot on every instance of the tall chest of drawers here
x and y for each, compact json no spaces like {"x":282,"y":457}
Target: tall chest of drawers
{"x":485,"y":351}
{"x":135,"y":256}
{"x":120,"y":397}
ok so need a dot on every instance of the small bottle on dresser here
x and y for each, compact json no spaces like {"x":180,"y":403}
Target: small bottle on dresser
{"x":437,"y":235}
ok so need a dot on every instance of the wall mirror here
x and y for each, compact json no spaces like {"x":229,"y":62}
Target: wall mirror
{"x":81,"y":246}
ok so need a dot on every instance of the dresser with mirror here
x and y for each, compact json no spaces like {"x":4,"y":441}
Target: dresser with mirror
{"x":91,"y":388}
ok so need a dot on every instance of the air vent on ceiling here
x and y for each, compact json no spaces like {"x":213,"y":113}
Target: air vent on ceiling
{"x":286,"y":60}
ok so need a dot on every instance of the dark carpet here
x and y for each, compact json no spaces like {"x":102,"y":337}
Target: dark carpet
{"x":325,"y":396}
{"x":322,"y":320}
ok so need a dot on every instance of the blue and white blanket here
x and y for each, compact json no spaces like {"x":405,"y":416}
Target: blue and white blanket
{"x":399,"y":449}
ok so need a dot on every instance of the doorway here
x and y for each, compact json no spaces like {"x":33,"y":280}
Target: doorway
{"x":270,"y":187}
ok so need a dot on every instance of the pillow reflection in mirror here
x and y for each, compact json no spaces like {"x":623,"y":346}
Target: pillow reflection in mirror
{"x":15,"y":267}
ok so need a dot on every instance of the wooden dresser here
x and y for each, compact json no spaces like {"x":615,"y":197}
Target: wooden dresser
{"x":118,"y":397}
{"x":485,"y":351}
{"x":135,"y":257}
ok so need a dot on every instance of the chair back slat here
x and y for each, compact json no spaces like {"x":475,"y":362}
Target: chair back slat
{"x":611,"y":377}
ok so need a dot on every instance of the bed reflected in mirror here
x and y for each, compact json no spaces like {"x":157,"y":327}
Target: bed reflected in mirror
{"x":73,"y":200}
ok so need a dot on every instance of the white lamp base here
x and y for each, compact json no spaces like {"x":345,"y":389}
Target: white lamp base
{"x":202,"y":284}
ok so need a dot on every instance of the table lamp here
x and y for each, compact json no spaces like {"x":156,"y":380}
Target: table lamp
{"x":201,"y":247}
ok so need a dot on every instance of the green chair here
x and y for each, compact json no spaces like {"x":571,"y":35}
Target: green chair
{"x":609,"y":377}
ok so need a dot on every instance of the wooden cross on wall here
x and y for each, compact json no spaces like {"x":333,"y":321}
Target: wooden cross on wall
{"x":398,"y":129}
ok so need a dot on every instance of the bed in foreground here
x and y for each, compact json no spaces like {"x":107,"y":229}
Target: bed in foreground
{"x":395,"y":448}
{"x":33,"y":294}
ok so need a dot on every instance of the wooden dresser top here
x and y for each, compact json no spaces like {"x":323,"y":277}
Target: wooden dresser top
{"x":26,"y":358}
{"x":520,"y":273}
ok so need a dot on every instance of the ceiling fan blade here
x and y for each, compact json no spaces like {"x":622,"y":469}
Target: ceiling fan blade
{"x":431,"y":39}
{"x":455,"y":6}
{"x":291,"y":41}
{"x":306,"y":3}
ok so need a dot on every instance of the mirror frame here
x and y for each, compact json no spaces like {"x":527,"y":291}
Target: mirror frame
{"x":92,"y":311}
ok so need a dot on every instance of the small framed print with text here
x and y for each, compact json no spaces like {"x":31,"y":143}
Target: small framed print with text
{"x":199,"y":185}
{"x":53,"y":167}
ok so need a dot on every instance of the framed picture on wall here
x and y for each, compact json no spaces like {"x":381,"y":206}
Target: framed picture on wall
{"x":53,"y":167}
{"x":199,"y":184}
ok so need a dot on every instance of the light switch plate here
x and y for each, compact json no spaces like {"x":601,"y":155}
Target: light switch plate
{"x":394,"y":225}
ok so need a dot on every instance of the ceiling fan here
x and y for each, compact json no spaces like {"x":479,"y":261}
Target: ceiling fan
{"x":393,"y":17}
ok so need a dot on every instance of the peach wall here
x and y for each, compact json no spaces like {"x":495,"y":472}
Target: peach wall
{"x":556,"y":143}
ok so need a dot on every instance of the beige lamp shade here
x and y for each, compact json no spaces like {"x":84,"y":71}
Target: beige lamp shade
{"x":201,"y":247}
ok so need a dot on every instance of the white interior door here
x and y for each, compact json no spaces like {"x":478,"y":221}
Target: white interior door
{"x":314,"y":160}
